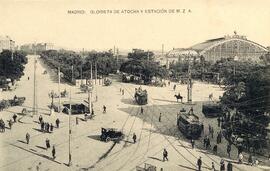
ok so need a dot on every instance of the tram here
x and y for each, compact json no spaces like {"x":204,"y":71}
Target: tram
{"x":189,"y":125}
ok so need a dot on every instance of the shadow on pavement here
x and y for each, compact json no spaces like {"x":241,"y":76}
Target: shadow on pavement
{"x":155,"y":158}
{"x":43,"y":148}
{"x":94,"y":137}
{"x":190,"y":168}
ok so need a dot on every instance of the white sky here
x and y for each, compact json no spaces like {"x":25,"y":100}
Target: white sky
{"x":48,"y":21}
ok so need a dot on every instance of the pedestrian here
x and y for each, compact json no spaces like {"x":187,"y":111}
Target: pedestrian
{"x":212,"y":132}
{"x":141,"y":110}
{"x":57,"y":122}
{"x":174,"y":87}
{"x":159,"y":118}
{"x":222,"y":165}
{"x":27,"y":137}
{"x":199,"y":163}
{"x":85,"y":116}
{"x":191,"y":111}
{"x":15,"y":117}
{"x":165,"y":155}
{"x":218,"y":119}
{"x":169,"y":83}
{"x":134,"y":138}
{"x":47,"y":142}
{"x":250,"y":161}
{"x":92,"y":113}
{"x":28,"y":78}
{"x":53,"y":152}
{"x":104,"y":109}
{"x":192,"y":143}
{"x":51,"y":127}
{"x":209,"y":129}
{"x":40,"y":119}
{"x":240,"y":158}
{"x":10,"y":123}
{"x":256,"y":163}
{"x":229,"y":166}
{"x":42,"y":126}
{"x":204,"y":141}
{"x":120,"y":90}
{"x":215,"y":149}
{"x":77,"y":121}
{"x":123,"y":92}
{"x":48,"y":127}
{"x":229,"y":150}
{"x":213,"y":166}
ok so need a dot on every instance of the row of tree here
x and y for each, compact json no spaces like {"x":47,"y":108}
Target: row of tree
{"x":12,"y":64}
{"x":104,"y":62}
{"x":141,"y":63}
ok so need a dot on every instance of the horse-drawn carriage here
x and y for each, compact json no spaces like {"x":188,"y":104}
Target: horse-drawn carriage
{"x":107,"y":82}
{"x":108,"y":134}
{"x":17,"y":101}
{"x":141,"y":96}
{"x":189,"y":125}
{"x":212,"y":109}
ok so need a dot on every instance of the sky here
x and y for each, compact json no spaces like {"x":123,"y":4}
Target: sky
{"x":49,"y":21}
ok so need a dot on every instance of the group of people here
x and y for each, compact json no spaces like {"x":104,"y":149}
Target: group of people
{"x":10,"y":123}
{"x":222,"y":165}
{"x":46,"y":127}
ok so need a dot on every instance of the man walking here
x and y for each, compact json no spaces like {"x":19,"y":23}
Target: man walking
{"x":134,"y":138}
{"x":47,"y":143}
{"x":141,"y":110}
{"x":53,"y":152}
{"x":229,"y":150}
{"x":165,"y":155}
{"x":104,"y":109}
{"x":27,"y":137}
{"x":199,"y":163}
{"x":57,"y":122}
{"x":15,"y":117}
{"x":159,"y":118}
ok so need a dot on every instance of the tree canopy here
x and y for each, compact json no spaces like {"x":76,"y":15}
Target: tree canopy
{"x":12,"y":67}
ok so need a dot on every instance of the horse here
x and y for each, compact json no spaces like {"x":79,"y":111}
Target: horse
{"x":210,"y":97}
{"x":179,"y":97}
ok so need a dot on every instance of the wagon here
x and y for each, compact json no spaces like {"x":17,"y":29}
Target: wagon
{"x":108,"y":134}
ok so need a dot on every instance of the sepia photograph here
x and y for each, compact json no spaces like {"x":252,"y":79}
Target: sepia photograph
{"x":134,"y":85}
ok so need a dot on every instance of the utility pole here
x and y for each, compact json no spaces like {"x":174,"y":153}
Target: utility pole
{"x":72,"y":74}
{"x":189,"y":85}
{"x":59,"y":99}
{"x":69,"y":132}
{"x":91,"y":73}
{"x":95,"y":72}
{"x":35,"y":88}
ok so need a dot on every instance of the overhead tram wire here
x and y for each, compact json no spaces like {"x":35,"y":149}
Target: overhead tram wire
{"x":171,"y":143}
{"x":189,"y":151}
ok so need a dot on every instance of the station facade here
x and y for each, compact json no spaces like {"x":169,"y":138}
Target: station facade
{"x":235,"y":46}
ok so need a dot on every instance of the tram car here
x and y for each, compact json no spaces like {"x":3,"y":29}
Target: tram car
{"x":211,"y":109}
{"x":189,"y":125}
{"x":141,"y":96}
